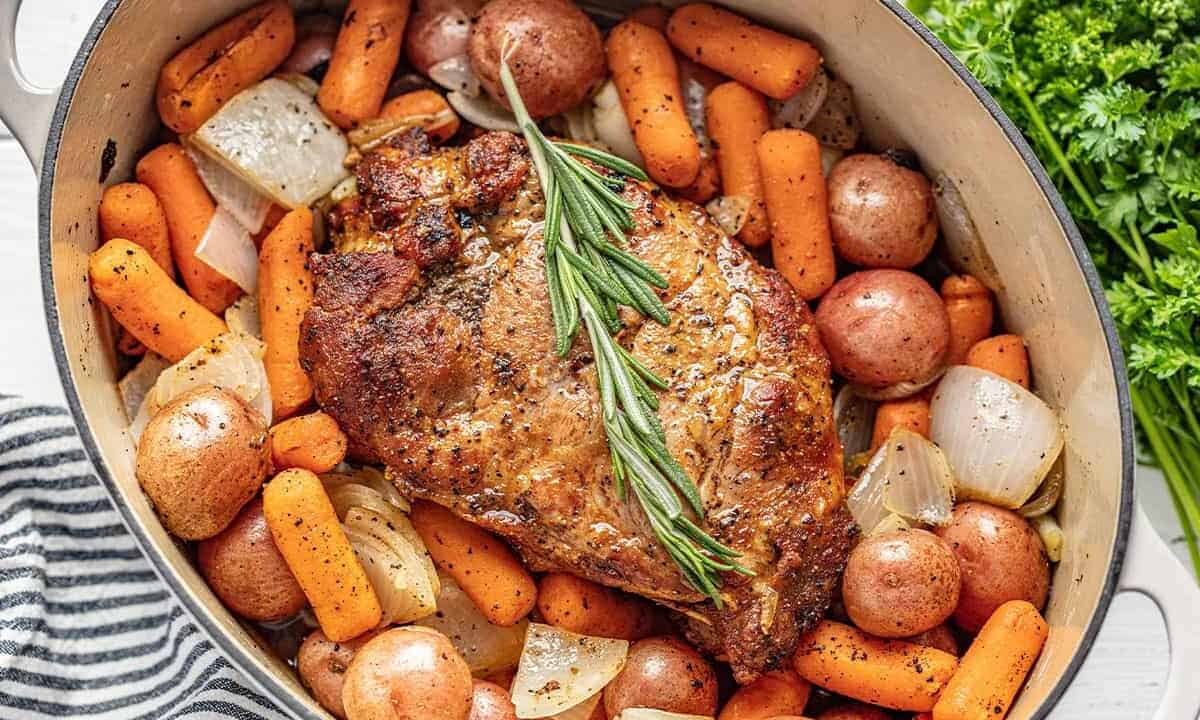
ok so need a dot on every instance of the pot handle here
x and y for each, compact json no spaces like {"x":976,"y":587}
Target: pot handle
{"x":25,"y":108}
{"x":1153,"y":570}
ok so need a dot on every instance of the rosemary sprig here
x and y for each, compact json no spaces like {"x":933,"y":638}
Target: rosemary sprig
{"x":590,"y":276}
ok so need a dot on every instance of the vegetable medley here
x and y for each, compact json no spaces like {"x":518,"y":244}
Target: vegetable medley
{"x":399,"y":607}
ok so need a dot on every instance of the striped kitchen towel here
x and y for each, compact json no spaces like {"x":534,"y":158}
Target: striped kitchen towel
{"x":87,"y":630}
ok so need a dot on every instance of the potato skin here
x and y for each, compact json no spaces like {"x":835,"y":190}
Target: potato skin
{"x":201,"y":458}
{"x":940,"y":637}
{"x":438,"y":30}
{"x":1001,"y":557}
{"x":884,"y":327}
{"x":854,"y":711}
{"x":559,"y":59}
{"x":881,"y":214}
{"x":244,"y":568}
{"x":322,"y":665}
{"x":491,"y":702}
{"x":663,"y":673}
{"x":408,"y":672}
{"x":900,"y":583}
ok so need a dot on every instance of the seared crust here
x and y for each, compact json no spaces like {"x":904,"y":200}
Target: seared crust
{"x":437,"y":359}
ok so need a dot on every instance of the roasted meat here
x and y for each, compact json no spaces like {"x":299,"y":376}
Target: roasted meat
{"x":430,"y":341}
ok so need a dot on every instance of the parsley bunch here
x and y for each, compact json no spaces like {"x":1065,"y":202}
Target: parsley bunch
{"x":1108,"y":94}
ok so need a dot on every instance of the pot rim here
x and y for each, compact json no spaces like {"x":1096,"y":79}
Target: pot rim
{"x":281,"y":695}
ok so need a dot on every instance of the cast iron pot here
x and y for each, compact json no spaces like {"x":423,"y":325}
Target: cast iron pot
{"x":910,"y":91}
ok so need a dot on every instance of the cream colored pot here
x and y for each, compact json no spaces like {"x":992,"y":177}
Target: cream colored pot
{"x":911,"y":93}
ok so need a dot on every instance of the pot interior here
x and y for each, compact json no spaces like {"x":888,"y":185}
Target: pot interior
{"x":908,"y":97}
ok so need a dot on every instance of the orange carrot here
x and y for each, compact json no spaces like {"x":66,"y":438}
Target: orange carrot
{"x":442,"y":121}
{"x":231,"y":57}
{"x":285,"y":290}
{"x":912,"y":413}
{"x":995,"y":665}
{"x":789,"y":162}
{"x":891,"y":673}
{"x":969,"y":307}
{"x":776,"y":693}
{"x":584,"y":607}
{"x":707,"y":183}
{"x":647,"y":79}
{"x":770,"y":62}
{"x":306,"y":531}
{"x":482,"y":565}
{"x":313,"y":442}
{"x":652,"y":15}
{"x":1004,"y":355}
{"x":736,"y":118}
{"x":147,"y":302}
{"x":132,"y":212}
{"x":364,"y":58}
{"x":171,"y":174}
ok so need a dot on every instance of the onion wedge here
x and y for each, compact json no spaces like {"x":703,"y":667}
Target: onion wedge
{"x":486,"y":648}
{"x":908,"y":476}
{"x":227,"y":248}
{"x":561,"y":669}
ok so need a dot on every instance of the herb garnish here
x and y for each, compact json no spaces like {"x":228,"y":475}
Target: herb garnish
{"x":589,"y":277}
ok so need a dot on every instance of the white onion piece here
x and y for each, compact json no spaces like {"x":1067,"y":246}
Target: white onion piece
{"x":612,"y":127}
{"x":582,"y":711}
{"x":136,"y":384}
{"x":412,"y":592}
{"x":902,"y":389}
{"x":653,"y":714}
{"x":1000,"y":439}
{"x":836,"y":121}
{"x":920,"y":486}
{"x":695,"y":95}
{"x":485,"y":647}
{"x":372,"y":479}
{"x":561,"y":669}
{"x":345,"y":189}
{"x":967,"y":248}
{"x":227,"y":248}
{"x":729,"y":212}
{"x":799,"y":110}
{"x":579,"y":124}
{"x":275,"y":137}
{"x":1048,"y":492}
{"x":455,"y":73}
{"x":242,"y":317}
{"x":1052,"y":535}
{"x":854,"y":417}
{"x":247,"y":205}
{"x":865,"y":499}
{"x":303,"y":83}
{"x":482,"y":111}
{"x":890,"y":523}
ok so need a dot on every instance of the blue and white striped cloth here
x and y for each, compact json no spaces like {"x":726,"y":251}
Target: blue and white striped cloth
{"x":87,"y":630}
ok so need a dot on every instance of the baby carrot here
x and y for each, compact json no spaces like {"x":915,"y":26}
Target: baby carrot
{"x":444,"y":122}
{"x":772,"y":63}
{"x":313,"y":442}
{"x":891,"y":673}
{"x":647,"y":79}
{"x":707,"y":183}
{"x":131,"y":211}
{"x":1004,"y":355}
{"x":364,"y":58}
{"x":794,"y":189}
{"x":969,"y":307}
{"x":653,"y":15}
{"x":584,"y":607}
{"x":285,"y":290}
{"x":482,"y":565}
{"x":171,"y":174}
{"x":912,"y":413}
{"x":736,"y":118}
{"x":995,"y":665}
{"x":776,"y":693}
{"x":231,"y":57}
{"x":147,"y":302}
{"x":308,"y":535}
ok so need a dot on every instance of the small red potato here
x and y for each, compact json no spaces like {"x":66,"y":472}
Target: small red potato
{"x":940,"y":637}
{"x":884,"y":328}
{"x":438,"y":30}
{"x":244,"y":568}
{"x":1001,"y":557}
{"x":881,"y":214}
{"x":491,"y":702}
{"x":408,"y":672}
{"x":854,"y":711}
{"x":900,"y":583}
{"x":664,"y":673}
{"x":557,"y":59}
{"x":322,"y":665}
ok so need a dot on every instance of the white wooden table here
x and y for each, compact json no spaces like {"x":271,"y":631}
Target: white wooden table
{"x":1122,"y":679}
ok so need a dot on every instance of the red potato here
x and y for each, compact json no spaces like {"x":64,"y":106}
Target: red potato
{"x":438,"y":30}
{"x":900,"y":583}
{"x":408,"y":672}
{"x":1001,"y":557}
{"x":854,"y":711}
{"x":663,"y":673}
{"x":322,"y":665}
{"x":884,"y":328}
{"x":491,"y":702}
{"x":881,"y":214}
{"x":940,"y":637}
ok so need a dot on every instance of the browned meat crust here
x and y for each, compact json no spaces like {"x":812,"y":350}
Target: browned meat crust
{"x":435,"y":355}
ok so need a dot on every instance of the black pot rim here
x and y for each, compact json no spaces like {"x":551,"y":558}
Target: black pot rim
{"x":239,"y":655}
